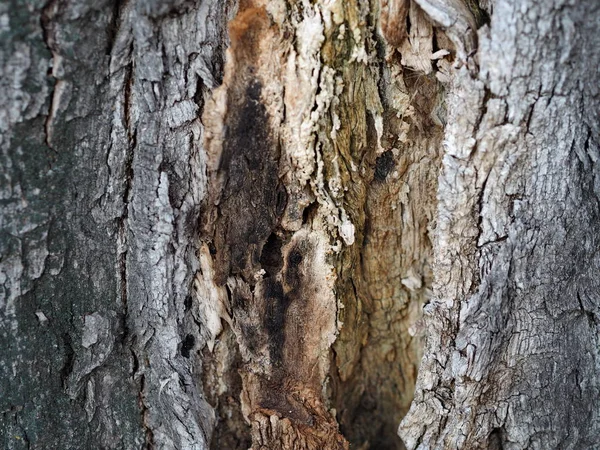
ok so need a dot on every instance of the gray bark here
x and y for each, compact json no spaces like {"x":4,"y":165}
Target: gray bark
{"x":220,"y":224}
{"x":102,"y":178}
{"x":512,"y":353}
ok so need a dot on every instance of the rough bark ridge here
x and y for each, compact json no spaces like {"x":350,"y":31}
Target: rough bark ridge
{"x":102,"y":177}
{"x":511,"y":359}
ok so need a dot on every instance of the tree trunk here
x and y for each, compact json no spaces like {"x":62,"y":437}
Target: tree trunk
{"x":101,"y":186}
{"x":512,"y":352}
{"x":296,"y":225}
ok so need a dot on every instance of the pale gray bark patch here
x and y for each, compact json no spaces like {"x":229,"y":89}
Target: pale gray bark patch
{"x":102,"y":174}
{"x":512,"y":354}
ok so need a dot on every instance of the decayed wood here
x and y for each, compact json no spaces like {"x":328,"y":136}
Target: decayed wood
{"x":393,"y":15}
{"x":306,"y":160}
{"x":384,"y":278}
{"x":278,"y":281}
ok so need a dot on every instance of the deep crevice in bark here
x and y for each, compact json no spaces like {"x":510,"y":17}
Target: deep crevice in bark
{"x":382,"y":294}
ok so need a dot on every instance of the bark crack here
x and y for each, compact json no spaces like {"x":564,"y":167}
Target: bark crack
{"x":49,"y":12}
{"x":123,"y":229}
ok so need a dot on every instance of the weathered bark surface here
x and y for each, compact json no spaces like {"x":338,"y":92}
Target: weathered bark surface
{"x":512,"y":352}
{"x":204,"y":248}
{"x":102,"y":178}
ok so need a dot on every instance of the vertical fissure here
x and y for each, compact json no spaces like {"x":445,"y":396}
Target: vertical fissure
{"x":366,"y":182}
{"x":123,"y":229}
{"x":48,"y":15}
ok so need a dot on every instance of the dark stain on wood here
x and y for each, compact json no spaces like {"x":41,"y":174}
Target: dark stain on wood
{"x":187,"y":345}
{"x":276,"y":305}
{"x":293,"y":276}
{"x":252,"y":198}
{"x":384,"y":164}
{"x":268,"y":271}
{"x":270,"y":258}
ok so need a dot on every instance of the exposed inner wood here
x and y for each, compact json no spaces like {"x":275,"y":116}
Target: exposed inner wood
{"x":324,"y":148}
{"x":385,"y":278}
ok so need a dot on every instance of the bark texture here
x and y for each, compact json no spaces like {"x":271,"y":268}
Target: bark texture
{"x":511,"y":359}
{"x":102,"y":178}
{"x":220,"y":224}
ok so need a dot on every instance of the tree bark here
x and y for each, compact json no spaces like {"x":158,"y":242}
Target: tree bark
{"x":512,"y":349}
{"x":102,"y":178}
{"x":222,"y":223}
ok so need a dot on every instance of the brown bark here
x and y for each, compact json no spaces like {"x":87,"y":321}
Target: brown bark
{"x":322,"y":187}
